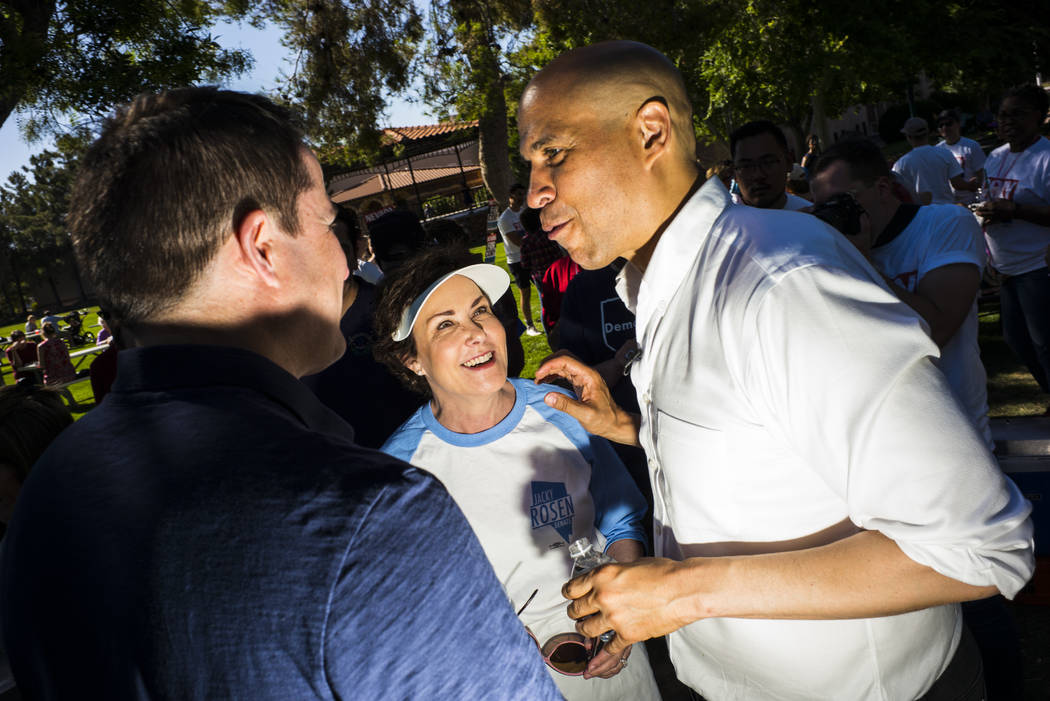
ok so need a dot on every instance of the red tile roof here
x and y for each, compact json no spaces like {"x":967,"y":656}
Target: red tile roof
{"x":394,"y":181}
{"x":399,"y":134}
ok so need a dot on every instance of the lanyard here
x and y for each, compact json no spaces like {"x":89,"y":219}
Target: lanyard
{"x":1001,"y":175}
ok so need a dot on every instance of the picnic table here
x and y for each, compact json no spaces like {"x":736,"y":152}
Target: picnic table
{"x":76,"y":356}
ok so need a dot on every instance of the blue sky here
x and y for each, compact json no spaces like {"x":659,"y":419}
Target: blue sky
{"x":271,"y":59}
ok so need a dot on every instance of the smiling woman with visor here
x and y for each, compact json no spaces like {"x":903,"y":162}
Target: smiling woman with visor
{"x":529,"y":479}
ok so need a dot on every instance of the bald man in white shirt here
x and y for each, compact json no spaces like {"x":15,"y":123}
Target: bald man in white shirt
{"x":813,"y":478}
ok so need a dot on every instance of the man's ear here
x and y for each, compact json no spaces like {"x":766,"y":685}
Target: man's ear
{"x":654,"y":123}
{"x":255,"y":238}
{"x":884,"y":185}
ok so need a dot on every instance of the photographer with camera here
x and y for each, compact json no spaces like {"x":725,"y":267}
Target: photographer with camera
{"x":931,"y":257}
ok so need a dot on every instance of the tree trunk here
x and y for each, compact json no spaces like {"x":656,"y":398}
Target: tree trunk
{"x":820,"y":119}
{"x":54,"y":288}
{"x":495,"y":157}
{"x":18,"y":286}
{"x":797,"y":137}
{"x":7,"y":298}
{"x":492,"y":139}
{"x":478,"y":44}
{"x":23,"y":45}
{"x":76,"y":272}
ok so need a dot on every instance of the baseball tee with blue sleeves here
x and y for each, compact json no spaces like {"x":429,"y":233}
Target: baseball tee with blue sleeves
{"x":529,"y":486}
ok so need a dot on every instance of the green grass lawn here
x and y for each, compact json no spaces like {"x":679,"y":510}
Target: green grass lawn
{"x":1011,"y":389}
{"x":81,"y":391}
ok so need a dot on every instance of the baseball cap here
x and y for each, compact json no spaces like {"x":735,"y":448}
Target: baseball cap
{"x":492,"y":280}
{"x":915,"y":125}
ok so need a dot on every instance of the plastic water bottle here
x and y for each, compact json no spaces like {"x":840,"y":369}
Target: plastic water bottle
{"x":585,"y":557}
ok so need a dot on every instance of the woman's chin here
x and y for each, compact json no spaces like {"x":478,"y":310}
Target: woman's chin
{"x":481,"y":381}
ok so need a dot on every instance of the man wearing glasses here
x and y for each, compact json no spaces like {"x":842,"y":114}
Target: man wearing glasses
{"x":760,"y":159}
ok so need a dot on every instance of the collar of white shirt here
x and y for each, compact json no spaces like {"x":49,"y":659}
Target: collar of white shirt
{"x":647,"y":294}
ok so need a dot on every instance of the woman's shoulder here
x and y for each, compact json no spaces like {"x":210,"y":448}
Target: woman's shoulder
{"x":534,"y":393}
{"x":404,"y":440}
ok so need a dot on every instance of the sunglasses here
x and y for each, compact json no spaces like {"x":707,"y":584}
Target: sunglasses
{"x":565,"y":653}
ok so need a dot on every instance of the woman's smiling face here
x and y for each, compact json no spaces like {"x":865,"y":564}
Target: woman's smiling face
{"x":461,"y":347}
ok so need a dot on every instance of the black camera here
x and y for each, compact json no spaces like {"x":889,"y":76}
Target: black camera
{"x":842,"y":211}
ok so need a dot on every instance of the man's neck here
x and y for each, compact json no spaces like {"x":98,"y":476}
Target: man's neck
{"x":641,"y":257}
{"x":883,"y":229}
{"x":952,"y":142}
{"x":258,"y":336}
{"x":1022,"y":145}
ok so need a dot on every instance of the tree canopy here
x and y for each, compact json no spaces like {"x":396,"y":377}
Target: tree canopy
{"x":76,"y":59}
{"x":34,"y":241}
{"x":790,"y":61}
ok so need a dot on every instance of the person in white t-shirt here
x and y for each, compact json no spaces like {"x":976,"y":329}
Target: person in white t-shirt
{"x":512,"y":231}
{"x":932,"y":258}
{"x":761,"y":164}
{"x":930,"y":172}
{"x":1017,"y":227}
{"x":967,"y":151}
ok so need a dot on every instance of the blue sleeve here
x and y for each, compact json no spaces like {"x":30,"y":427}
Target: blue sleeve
{"x":403,"y":442}
{"x":414,"y":616}
{"x":618,"y":505}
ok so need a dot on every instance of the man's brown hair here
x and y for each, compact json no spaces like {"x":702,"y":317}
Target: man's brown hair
{"x":169,"y":179}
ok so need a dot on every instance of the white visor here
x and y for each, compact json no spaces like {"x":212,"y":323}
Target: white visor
{"x":491,"y":279}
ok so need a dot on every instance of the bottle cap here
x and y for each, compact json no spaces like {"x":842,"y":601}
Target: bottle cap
{"x":579,"y":547}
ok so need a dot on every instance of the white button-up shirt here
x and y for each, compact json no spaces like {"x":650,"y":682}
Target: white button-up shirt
{"x":784,"y":389}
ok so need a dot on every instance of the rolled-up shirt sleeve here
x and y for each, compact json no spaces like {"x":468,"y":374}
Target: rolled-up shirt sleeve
{"x":845,"y":373}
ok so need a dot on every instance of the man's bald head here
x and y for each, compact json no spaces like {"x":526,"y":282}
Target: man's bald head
{"x":614,"y":79}
{"x":607,"y":131}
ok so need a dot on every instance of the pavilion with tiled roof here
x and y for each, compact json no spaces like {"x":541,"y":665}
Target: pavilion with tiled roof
{"x":435,"y":160}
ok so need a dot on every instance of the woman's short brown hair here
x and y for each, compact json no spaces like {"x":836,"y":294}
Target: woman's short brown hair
{"x":398,"y":290}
